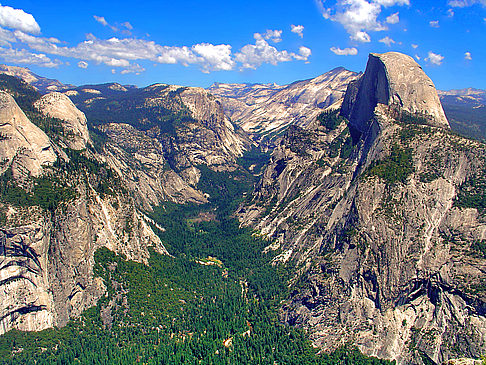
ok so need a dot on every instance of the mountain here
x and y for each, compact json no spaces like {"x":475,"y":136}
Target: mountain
{"x":144,"y":225}
{"x":267,"y":109}
{"x":42,"y":84}
{"x":382,"y":218}
{"x":466,"y":111}
{"x":65,"y":195}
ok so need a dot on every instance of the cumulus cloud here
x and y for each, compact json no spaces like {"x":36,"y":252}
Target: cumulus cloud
{"x":393,"y":19}
{"x":273,"y":35}
{"x":23,"y":56}
{"x":122,"y":52}
{"x":254,"y":55}
{"x":83,"y":64}
{"x":450,"y":13}
{"x":467,"y":56}
{"x":434,"y":58}
{"x":297,"y":29}
{"x":217,"y":57}
{"x":465,"y":3}
{"x":359,"y":17}
{"x":18,"y":19}
{"x":414,"y":46}
{"x":434,"y":23}
{"x":344,"y":52}
{"x":387,"y":40}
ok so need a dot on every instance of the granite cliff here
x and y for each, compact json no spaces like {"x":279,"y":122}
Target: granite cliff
{"x":64,"y":195}
{"x":379,"y":216}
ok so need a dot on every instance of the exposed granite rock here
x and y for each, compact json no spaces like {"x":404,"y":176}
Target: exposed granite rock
{"x":75,"y":128}
{"x":23,"y":146}
{"x":384,"y":261}
{"x":396,"y":80}
{"x":265,"y":109}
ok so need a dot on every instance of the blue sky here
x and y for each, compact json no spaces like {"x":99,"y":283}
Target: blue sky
{"x":200,"y":42}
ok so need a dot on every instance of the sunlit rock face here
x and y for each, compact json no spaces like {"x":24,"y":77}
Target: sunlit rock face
{"x":395,"y":80}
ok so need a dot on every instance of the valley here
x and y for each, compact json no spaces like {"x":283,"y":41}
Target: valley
{"x":335,"y":220}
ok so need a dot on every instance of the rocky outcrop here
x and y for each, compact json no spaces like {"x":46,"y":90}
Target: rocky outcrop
{"x":75,"y":133}
{"x":396,"y":80}
{"x":385,"y":249}
{"x":266,"y":109}
{"x":23,"y":146}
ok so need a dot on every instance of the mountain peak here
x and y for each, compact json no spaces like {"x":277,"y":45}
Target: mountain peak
{"x":396,"y":80}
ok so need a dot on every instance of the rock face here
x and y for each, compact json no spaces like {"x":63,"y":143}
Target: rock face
{"x":380,"y":229}
{"x":264,"y":109}
{"x":47,"y":249}
{"x":396,"y":80}
{"x":23,"y":146}
{"x":74,"y":124}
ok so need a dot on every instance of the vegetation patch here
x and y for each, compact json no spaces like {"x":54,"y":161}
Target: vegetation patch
{"x":395,"y":168}
{"x":331,"y":119}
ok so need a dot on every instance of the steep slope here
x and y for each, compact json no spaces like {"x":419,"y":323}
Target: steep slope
{"x":23,"y":146}
{"x":57,"y":207}
{"x":384,"y":225}
{"x":266,"y":109}
{"x":74,"y":125}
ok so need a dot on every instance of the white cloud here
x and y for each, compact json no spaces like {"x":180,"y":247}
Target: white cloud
{"x":465,"y":3}
{"x":417,"y":57}
{"x":387,"y":3}
{"x":6,"y":37}
{"x":254,"y":55}
{"x":18,"y":19}
{"x":467,"y":56}
{"x":297,"y":29}
{"x":123,"y":52}
{"x":360,"y":16}
{"x":414,"y":46}
{"x":273,"y":35}
{"x":393,"y":19}
{"x":361,"y":37}
{"x":304,"y":54}
{"x":83,"y":64}
{"x":450,"y":13}
{"x":434,"y":58}
{"x":216,"y":57}
{"x":132,"y":69}
{"x":387,"y":40}
{"x":344,"y":52}
{"x":101,"y":20}
{"x":434,"y":23}
{"x":23,"y":56}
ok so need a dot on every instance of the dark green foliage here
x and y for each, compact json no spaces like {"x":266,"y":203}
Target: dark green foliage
{"x":24,"y":94}
{"x":342,"y":145}
{"x":480,"y":247}
{"x":256,"y":158}
{"x":47,"y":192}
{"x":472,"y":193}
{"x":330,"y":119}
{"x":395,"y":168}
